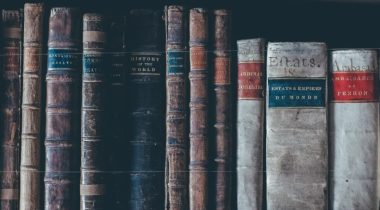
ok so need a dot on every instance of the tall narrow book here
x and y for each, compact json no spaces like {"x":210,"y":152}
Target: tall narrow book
{"x":10,"y":131}
{"x":296,"y":156}
{"x":250,"y":123}
{"x":354,"y":113}
{"x":63,"y":110}
{"x":223,"y":109}
{"x":176,"y":108}
{"x":147,"y":110}
{"x":117,"y":115}
{"x":198,"y":185}
{"x":93,"y":154}
{"x":31,"y":107}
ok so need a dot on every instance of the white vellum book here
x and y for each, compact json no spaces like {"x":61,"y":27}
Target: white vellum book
{"x":354,"y":113}
{"x":250,"y":124}
{"x":296,"y":129}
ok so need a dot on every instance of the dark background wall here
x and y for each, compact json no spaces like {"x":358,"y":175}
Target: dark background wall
{"x":341,"y":23}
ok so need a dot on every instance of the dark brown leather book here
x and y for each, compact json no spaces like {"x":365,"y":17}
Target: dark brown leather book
{"x":222,"y":85}
{"x":31,"y":107}
{"x":93,"y":157}
{"x":116,"y":113}
{"x":176,"y":108}
{"x":146,"y":86}
{"x":10,"y":131}
{"x":63,"y":110}
{"x":198,"y":183}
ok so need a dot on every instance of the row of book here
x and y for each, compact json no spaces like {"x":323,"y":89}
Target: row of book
{"x":104,"y":125}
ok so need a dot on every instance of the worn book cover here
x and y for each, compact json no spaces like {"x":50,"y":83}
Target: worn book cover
{"x":354,"y":113}
{"x":223,"y":108}
{"x":10,"y":116}
{"x":199,"y":99}
{"x":296,"y":127}
{"x":177,"y":139}
{"x":62,"y":138}
{"x":146,"y":86}
{"x":93,"y":120}
{"x":31,"y":142}
{"x":116,"y":114}
{"x":250,"y":123}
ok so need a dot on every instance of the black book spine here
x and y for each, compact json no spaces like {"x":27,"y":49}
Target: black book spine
{"x":117,"y":115}
{"x":147,"y":110}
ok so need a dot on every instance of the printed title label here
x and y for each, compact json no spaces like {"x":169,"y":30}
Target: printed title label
{"x":146,"y":64}
{"x":63,"y":58}
{"x":222,"y":71}
{"x":176,"y":62}
{"x":198,"y":58}
{"x":250,"y":81}
{"x":293,"y":93}
{"x":94,"y":63}
{"x":118,"y":67}
{"x":354,"y":86}
{"x":11,"y":59}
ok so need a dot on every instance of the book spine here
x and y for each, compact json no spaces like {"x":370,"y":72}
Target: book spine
{"x":198,"y":42}
{"x":147,"y":110}
{"x":176,"y":108}
{"x":223,"y":109}
{"x":296,"y":156}
{"x":63,"y":110}
{"x":116,"y":108}
{"x":93,"y":123}
{"x":31,"y":107}
{"x":10,"y":134}
{"x":354,"y":111}
{"x":250,"y":123}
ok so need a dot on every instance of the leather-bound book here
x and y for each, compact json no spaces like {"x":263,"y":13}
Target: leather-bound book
{"x":31,"y":143}
{"x":176,"y":108}
{"x":296,"y":141}
{"x":93,"y":123}
{"x":198,"y":42}
{"x":146,"y":72}
{"x":354,"y":113}
{"x":116,"y":115}
{"x":250,"y":123}
{"x":10,"y":131}
{"x":62,"y":136}
{"x":223,"y":109}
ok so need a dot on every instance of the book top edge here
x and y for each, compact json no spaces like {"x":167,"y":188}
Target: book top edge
{"x":34,"y":4}
{"x":253,"y":41}
{"x":353,"y":50}
{"x":175,"y":7}
{"x":198,"y":10}
{"x":297,"y":43}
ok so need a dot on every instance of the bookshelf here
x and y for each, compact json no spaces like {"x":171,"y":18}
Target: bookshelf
{"x":340,"y":23}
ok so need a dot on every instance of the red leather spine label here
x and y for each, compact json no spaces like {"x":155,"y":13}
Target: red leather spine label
{"x":250,"y":81}
{"x":198,"y":58}
{"x":354,"y":86}
{"x":222,"y":71}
